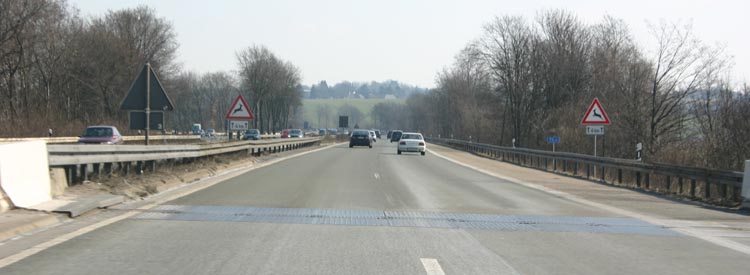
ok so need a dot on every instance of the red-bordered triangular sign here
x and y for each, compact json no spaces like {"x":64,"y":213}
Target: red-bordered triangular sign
{"x":240,"y":110}
{"x":595,"y":114}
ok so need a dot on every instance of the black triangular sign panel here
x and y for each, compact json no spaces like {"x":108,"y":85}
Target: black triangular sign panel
{"x":136,"y":98}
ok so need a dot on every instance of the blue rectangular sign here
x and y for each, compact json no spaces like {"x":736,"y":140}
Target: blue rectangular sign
{"x":553,"y":139}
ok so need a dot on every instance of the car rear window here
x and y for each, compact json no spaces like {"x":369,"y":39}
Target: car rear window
{"x":411,"y":136}
{"x":361,"y":133}
{"x":98,"y":132}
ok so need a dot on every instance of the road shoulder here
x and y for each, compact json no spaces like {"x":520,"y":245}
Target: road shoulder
{"x":730,"y":229}
{"x":31,"y":232}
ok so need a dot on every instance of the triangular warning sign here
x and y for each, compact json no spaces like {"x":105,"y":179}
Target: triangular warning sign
{"x":240,"y":110}
{"x":595,"y":114}
{"x":136,"y":98}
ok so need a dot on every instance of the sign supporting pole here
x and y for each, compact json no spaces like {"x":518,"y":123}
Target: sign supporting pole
{"x":148,"y":100}
{"x":745,"y":191}
{"x":594,"y":145}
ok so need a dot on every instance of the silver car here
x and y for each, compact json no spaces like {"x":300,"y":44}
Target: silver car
{"x":412,"y":142}
{"x":296,"y":133}
{"x":101,"y":135}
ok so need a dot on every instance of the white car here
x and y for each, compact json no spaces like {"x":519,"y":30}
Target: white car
{"x":412,"y":142}
{"x":373,"y":136}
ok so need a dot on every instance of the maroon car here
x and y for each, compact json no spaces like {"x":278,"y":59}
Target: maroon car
{"x":101,"y":135}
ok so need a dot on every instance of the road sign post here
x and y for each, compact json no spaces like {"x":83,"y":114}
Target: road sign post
{"x":595,"y":115}
{"x":553,"y":140}
{"x":148,"y":102}
{"x":238,"y":116}
{"x":746,"y":186}
{"x":343,"y":121}
{"x":147,"y":94}
{"x":638,"y":151}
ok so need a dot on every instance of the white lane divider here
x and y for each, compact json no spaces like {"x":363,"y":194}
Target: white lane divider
{"x":377,"y":176}
{"x":432,"y":266}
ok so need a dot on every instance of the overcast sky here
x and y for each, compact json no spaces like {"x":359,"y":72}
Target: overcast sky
{"x":408,"y":41}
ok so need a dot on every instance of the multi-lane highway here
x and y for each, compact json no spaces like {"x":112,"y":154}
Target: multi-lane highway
{"x":370,"y":211}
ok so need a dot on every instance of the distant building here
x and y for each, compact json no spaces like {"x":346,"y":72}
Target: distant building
{"x":306,"y":92}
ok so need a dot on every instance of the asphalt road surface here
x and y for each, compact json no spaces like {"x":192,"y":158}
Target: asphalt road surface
{"x":370,"y":211}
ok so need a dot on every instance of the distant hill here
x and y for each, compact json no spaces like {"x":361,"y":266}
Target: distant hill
{"x":323,"y":113}
{"x":363,"y":90}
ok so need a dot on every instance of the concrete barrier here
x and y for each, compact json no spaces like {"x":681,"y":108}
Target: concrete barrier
{"x":24,"y":173}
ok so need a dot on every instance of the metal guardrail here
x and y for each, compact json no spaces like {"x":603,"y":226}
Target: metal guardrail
{"x":79,"y":159}
{"x":56,"y":140}
{"x":709,"y":185}
{"x":61,"y":140}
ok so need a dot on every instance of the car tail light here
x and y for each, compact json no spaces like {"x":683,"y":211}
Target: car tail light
{"x":402,"y":143}
{"x":421,"y":144}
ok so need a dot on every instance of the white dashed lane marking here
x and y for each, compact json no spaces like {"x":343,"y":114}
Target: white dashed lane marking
{"x":432,"y":267}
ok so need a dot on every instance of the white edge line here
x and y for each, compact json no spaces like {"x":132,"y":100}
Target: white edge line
{"x":739,"y":247}
{"x":431,"y":266}
{"x":216,"y":179}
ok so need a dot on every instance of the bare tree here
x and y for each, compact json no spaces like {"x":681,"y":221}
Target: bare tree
{"x":272,"y":85}
{"x":508,"y":46}
{"x":681,"y":64}
{"x":323,"y":111}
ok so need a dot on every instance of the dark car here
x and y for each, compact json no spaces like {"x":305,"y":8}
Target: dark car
{"x":285,"y":133}
{"x":101,"y":135}
{"x":360,"y":138}
{"x":389,"y":135}
{"x":396,"y":135}
{"x":252,"y":134}
{"x":377,"y":133}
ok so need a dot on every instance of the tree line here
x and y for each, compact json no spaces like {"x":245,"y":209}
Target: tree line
{"x":63,"y":71}
{"x":524,"y":80}
{"x":373,"y":89}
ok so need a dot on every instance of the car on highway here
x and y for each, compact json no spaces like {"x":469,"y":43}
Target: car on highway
{"x":360,"y":138}
{"x":210,"y":132}
{"x":333,"y":131}
{"x":101,"y":135}
{"x":373,"y":136}
{"x":296,"y":133}
{"x":411,"y":142}
{"x":396,"y":135}
{"x":285,"y":133}
{"x":321,"y":132}
{"x":377,"y":133}
{"x":388,"y":136}
{"x":252,"y":134}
